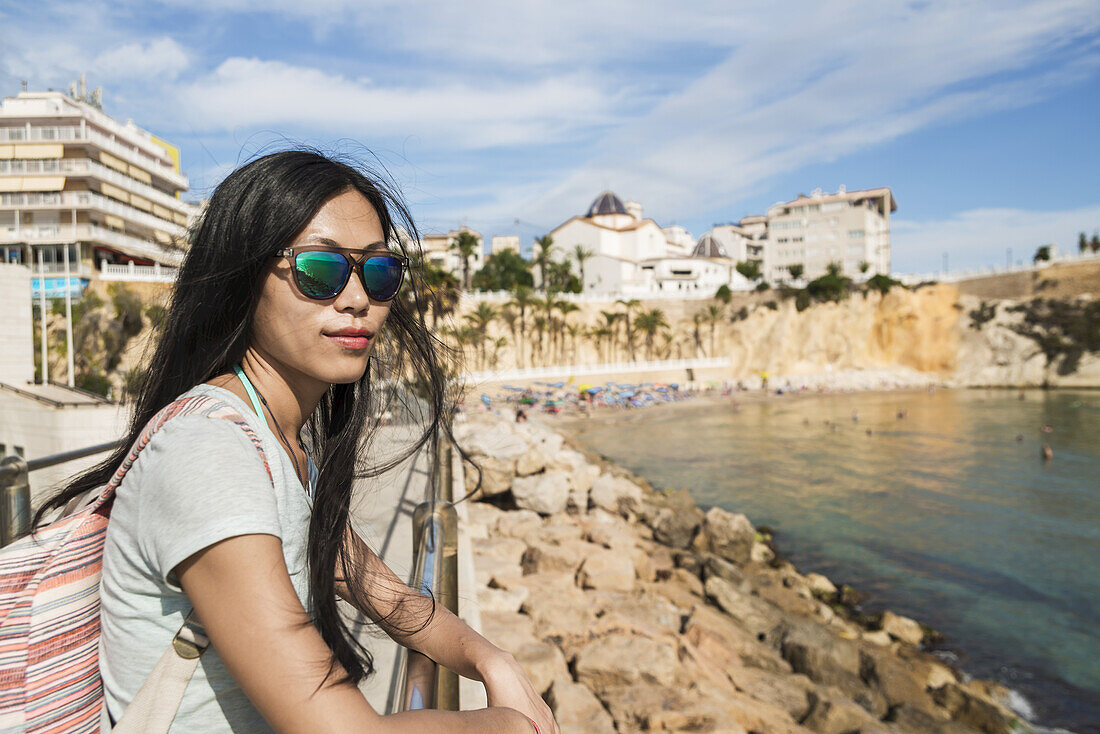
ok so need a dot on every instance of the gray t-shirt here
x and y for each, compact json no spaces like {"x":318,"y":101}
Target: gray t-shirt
{"x":198,"y":481}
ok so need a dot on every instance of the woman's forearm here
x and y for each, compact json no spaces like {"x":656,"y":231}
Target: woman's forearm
{"x":453,"y":644}
{"x":497,"y":720}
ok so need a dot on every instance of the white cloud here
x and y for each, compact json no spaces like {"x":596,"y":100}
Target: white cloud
{"x":251,"y":93}
{"x":981,"y":237}
{"x":827,"y":83}
{"x":160,"y":59}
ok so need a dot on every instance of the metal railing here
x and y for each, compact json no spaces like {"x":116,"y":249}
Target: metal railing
{"x":421,"y":682}
{"x":15,"y":487}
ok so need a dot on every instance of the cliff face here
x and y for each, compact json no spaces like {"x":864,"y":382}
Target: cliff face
{"x":960,"y":339}
{"x":918,"y":330}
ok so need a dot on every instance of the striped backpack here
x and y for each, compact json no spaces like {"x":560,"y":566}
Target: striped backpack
{"x":49,"y":604}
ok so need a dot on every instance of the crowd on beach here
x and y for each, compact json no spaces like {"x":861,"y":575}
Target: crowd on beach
{"x":568,"y":397}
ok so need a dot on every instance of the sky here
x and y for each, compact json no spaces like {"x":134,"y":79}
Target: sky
{"x":982,"y":117}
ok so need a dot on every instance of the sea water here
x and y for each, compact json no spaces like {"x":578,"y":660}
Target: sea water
{"x":937,"y":506}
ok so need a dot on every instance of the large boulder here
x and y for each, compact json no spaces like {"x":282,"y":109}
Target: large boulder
{"x":674,"y":518}
{"x":729,"y":645}
{"x":498,"y":551}
{"x":496,"y":441}
{"x":625,"y":659}
{"x":832,"y":713}
{"x":496,"y":476}
{"x":554,"y":558}
{"x":902,"y":628}
{"x":616,"y":495}
{"x":531,"y":462}
{"x":759,"y":618}
{"x":543,"y":663}
{"x":519,"y":524}
{"x":582,"y":479}
{"x":831,"y":661}
{"x":577,"y":710}
{"x":545,"y":494}
{"x":607,"y":569}
{"x":729,"y":535}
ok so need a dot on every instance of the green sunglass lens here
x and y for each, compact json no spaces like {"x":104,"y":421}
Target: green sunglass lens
{"x":321,"y":274}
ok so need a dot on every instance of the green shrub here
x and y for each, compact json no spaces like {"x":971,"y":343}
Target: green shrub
{"x":882,"y":283}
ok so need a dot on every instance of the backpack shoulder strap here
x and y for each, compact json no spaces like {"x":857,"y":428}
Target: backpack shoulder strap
{"x":157,"y":701}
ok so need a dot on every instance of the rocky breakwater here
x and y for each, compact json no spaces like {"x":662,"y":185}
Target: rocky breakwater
{"x":635,"y":610}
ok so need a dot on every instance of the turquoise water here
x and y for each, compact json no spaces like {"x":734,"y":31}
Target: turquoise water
{"x":947,"y":514}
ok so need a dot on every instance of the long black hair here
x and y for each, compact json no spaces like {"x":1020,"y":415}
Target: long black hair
{"x":257,"y":210}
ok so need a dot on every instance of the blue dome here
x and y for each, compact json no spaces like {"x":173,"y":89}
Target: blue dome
{"x":606,"y":203}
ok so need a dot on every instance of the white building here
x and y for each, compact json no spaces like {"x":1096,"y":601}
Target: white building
{"x":75,"y":181}
{"x":439,"y":250}
{"x":634,"y":256}
{"x":846,"y":227}
{"x":40,"y":420}
{"x":500,"y":243}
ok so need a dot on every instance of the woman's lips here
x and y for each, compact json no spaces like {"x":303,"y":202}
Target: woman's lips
{"x":350,"y":342}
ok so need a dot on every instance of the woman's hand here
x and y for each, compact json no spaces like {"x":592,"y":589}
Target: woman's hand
{"x":507,"y":685}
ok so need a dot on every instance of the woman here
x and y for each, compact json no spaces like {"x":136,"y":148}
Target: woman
{"x":288,"y":287}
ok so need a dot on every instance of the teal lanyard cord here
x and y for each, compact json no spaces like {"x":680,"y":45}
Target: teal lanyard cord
{"x":251,"y":393}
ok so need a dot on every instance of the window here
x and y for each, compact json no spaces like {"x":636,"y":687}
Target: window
{"x":3,"y":450}
{"x":855,"y":234}
{"x":18,"y":451}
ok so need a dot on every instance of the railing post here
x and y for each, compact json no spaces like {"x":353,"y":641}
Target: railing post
{"x":15,"y":499}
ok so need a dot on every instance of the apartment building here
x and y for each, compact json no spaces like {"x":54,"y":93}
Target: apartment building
{"x":847,"y":227}
{"x":75,"y":181}
{"x":438,"y":248}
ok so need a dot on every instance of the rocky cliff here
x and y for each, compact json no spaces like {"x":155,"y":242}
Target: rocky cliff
{"x":959,"y":339}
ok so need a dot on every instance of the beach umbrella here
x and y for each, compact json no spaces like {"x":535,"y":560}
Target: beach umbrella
{"x":485,"y":399}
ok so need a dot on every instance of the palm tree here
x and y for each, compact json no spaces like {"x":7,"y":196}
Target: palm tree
{"x":540,"y":329}
{"x":544,"y":248}
{"x":630,"y":305}
{"x":650,"y":323}
{"x":574,"y":331}
{"x":481,"y":319}
{"x":796,"y":270}
{"x":697,"y":320}
{"x":510,"y":317}
{"x":713,"y":315}
{"x":440,"y":289}
{"x":611,"y":321}
{"x":522,"y":299}
{"x":564,"y":308}
{"x":598,"y":334}
{"x":582,"y":253}
{"x":465,"y":244}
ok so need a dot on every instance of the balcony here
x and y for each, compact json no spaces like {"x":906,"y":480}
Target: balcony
{"x":137,"y":273}
{"x":74,"y":134}
{"x":60,"y":234}
{"x":89,"y":200}
{"x":84,"y":166}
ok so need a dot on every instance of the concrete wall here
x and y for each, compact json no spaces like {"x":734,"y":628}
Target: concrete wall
{"x":16,"y":338}
{"x":42,"y":430}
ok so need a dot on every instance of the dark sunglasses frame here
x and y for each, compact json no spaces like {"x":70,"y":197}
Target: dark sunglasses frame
{"x":355,"y":264}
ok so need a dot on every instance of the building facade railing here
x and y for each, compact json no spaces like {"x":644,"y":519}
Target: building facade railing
{"x":76,"y":134}
{"x":51,"y":166}
{"x":64,"y":233}
{"x":89,"y":199}
{"x":137,"y":273}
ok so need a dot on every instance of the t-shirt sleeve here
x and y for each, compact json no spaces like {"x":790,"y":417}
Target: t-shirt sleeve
{"x":202,"y":480}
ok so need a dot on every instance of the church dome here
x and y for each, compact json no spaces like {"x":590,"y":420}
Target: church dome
{"x":606,"y":203}
{"x":709,"y":246}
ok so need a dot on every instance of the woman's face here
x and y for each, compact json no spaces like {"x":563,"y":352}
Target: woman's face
{"x":299,"y":334}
